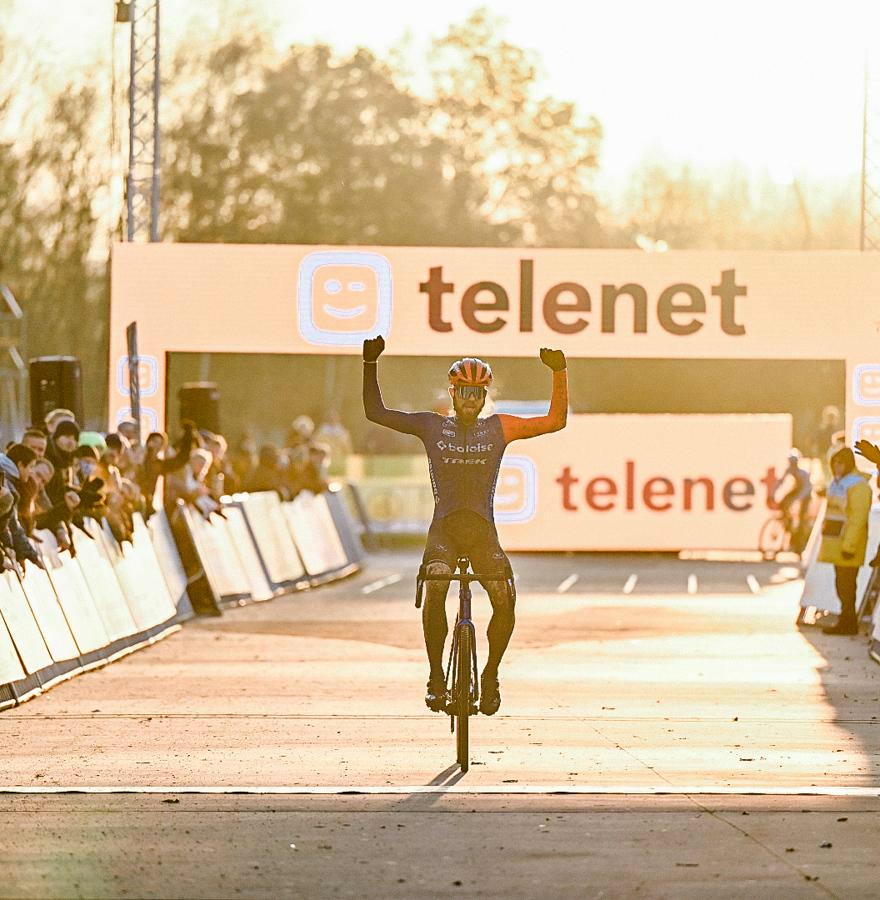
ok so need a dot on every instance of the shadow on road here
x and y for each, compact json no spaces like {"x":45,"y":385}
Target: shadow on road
{"x":449,"y":776}
{"x":851,"y":685}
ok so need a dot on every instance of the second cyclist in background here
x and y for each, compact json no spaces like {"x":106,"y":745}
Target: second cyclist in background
{"x":795,"y":503}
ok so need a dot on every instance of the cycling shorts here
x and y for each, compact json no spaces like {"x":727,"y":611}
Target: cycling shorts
{"x":465,"y":533}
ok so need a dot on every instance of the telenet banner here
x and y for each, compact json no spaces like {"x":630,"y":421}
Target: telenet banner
{"x":444,"y":301}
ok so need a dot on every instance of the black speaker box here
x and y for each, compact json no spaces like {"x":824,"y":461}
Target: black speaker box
{"x":56,"y":383}
{"x":200,"y":402}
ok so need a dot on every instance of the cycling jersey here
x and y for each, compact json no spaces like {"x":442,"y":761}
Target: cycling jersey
{"x":464,"y":460}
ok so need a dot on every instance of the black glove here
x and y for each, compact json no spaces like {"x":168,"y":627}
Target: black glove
{"x":553,"y":359}
{"x":373,"y":348}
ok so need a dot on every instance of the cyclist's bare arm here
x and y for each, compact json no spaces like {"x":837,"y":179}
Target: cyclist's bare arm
{"x":516,"y":427}
{"x":374,"y":407}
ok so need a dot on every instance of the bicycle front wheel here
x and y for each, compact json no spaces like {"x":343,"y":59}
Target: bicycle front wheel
{"x":464,"y":689}
{"x":773,"y":538}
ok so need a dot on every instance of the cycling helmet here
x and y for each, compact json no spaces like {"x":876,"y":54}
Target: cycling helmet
{"x":470,"y":371}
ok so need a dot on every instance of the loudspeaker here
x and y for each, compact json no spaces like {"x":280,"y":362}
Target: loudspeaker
{"x":56,"y":383}
{"x":200,"y":402}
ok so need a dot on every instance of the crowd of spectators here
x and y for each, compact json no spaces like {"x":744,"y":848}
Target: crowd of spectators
{"x":57,"y":476}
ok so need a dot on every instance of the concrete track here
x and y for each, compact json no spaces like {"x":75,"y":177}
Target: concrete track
{"x":627,"y":677}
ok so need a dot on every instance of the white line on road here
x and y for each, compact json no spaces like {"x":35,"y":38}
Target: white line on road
{"x":631,"y":583}
{"x":566,"y":583}
{"x":693,"y":584}
{"x":727,"y":790}
{"x":381,"y":583}
{"x":754,"y":585}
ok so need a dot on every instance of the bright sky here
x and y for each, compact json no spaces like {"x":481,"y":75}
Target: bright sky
{"x":773,"y":84}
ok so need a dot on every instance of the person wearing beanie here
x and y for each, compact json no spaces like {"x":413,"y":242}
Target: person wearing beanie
{"x":57,"y":416}
{"x":59,"y":451}
{"x":845,"y":534}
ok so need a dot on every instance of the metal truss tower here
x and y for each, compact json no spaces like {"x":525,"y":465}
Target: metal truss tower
{"x":870,"y":215}
{"x":142,"y":180}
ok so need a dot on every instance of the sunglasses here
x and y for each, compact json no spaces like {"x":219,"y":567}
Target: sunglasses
{"x":469,"y":392}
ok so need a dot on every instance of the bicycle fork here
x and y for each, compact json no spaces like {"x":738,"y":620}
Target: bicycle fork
{"x":463,"y":698}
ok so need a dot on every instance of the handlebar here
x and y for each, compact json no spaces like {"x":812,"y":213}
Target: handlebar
{"x":462,"y":576}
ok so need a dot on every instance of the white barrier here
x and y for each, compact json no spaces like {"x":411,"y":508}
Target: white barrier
{"x":49,"y":614}
{"x":265,"y":518}
{"x":105,"y":600}
{"x":25,"y":633}
{"x":316,"y":537}
{"x":168,"y":559}
{"x":103,"y":585}
{"x":251,"y":562}
{"x":75,"y":599}
{"x":819,"y":594}
{"x":11,"y":671}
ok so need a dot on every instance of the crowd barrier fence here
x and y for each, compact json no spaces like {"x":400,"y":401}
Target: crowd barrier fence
{"x":104,"y":600}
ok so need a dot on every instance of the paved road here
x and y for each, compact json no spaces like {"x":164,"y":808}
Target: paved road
{"x":641,"y":676}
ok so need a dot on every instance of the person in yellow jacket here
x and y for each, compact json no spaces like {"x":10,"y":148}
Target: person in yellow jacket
{"x":845,"y":534}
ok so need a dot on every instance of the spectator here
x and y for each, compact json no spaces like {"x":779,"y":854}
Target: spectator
{"x":53,"y":517}
{"x":59,"y":451}
{"x":221,"y":478}
{"x":829,"y":425}
{"x":159,"y":460}
{"x":188,"y":484}
{"x":56,"y":417}
{"x":12,"y":534}
{"x":845,"y":535}
{"x":302,"y":428}
{"x":36,"y":440}
{"x":244,"y":460}
{"x":335,"y":436}
{"x":18,"y":464}
{"x":314,"y":474}
{"x":270,"y":473}
{"x":130,"y":430}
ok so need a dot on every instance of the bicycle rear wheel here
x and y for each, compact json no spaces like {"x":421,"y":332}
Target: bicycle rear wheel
{"x":464,"y":690}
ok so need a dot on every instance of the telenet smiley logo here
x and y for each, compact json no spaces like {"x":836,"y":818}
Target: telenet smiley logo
{"x":516,"y":494}
{"x":344,"y":297}
{"x":866,"y":384}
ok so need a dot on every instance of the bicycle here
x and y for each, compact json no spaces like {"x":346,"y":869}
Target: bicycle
{"x":462,"y":679}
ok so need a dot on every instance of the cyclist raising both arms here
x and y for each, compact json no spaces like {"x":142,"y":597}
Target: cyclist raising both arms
{"x":464,"y":457}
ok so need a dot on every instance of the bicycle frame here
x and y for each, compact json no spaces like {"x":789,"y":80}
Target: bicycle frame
{"x":462,"y":678}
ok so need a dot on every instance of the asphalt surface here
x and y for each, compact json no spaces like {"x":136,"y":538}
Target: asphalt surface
{"x":665,"y":731}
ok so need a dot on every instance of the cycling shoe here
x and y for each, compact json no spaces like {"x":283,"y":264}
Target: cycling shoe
{"x":490,"y":695}
{"x":437,"y":697}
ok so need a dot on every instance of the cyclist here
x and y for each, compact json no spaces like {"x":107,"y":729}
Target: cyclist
{"x":464,"y":457}
{"x":794,"y":504}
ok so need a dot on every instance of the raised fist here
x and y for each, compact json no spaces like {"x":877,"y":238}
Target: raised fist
{"x":553,"y":359}
{"x":373,"y":348}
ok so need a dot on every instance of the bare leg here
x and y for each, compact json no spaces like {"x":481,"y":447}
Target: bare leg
{"x":434,"y":622}
{"x":500,"y":625}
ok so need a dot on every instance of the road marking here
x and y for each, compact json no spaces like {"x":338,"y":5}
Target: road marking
{"x":381,"y":583}
{"x":631,"y":583}
{"x":693,"y":584}
{"x":753,"y":583}
{"x":566,"y":584}
{"x":656,"y":790}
